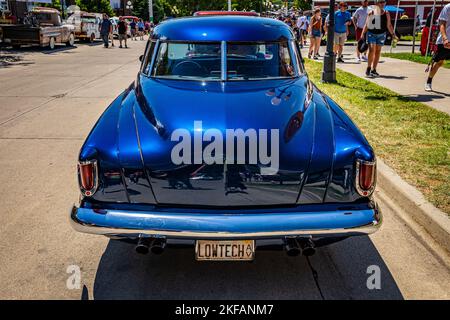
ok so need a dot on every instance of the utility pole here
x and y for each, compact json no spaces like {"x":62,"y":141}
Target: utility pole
{"x":229,"y":5}
{"x":329,"y":59}
{"x":150,"y":10}
{"x":62,"y":9}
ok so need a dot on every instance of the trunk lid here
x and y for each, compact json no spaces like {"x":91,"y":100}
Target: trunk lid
{"x":164,"y":107}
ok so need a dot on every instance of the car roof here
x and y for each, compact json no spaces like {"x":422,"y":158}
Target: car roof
{"x":223,"y":28}
{"x":226,"y":13}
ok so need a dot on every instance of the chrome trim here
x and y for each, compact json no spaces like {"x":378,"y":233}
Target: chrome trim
{"x":221,"y":226}
{"x":223,"y":57}
{"x":361,"y":191}
{"x":95,"y":174}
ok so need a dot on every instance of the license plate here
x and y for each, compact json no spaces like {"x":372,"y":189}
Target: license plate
{"x":225,"y":250}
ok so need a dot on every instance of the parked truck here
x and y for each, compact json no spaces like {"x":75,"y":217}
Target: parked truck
{"x":86,"y":25}
{"x":42,"y":27}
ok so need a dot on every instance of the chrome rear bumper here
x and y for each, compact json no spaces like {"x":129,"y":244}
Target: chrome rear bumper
{"x":192,"y":225}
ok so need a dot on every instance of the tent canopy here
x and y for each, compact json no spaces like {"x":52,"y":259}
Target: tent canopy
{"x":393,"y":9}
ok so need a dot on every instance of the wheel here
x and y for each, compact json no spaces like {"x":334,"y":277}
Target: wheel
{"x":71,"y":40}
{"x":92,"y":38}
{"x":51,"y":44}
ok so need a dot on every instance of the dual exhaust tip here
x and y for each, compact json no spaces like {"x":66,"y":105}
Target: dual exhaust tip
{"x":146,"y":244}
{"x":296,"y":246}
{"x":293,"y":246}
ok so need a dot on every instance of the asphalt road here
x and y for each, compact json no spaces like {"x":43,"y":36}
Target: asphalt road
{"x":48,"y":102}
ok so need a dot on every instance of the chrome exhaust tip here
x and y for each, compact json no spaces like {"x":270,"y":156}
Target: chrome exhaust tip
{"x":292,"y":247}
{"x":307,"y":246}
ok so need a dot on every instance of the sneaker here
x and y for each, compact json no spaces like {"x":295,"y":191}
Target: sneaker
{"x":340,"y":60}
{"x":358,"y":59}
{"x":364,"y":58}
{"x":309,"y":55}
{"x":428,"y":87}
{"x":120,"y":46}
{"x":368,"y":74}
{"x":316,"y":57}
{"x":374,"y":73}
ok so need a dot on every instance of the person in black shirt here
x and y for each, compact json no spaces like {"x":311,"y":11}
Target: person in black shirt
{"x":122,"y":29}
{"x":105,"y":29}
{"x":378,"y":23}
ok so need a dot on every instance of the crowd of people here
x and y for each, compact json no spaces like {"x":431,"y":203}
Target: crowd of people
{"x":371,"y":25}
{"x":371,"y":29}
{"x":137,"y":27}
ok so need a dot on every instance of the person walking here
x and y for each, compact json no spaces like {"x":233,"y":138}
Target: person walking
{"x":342,"y":19}
{"x":105,"y":29}
{"x":359,"y":21}
{"x":327,"y":19}
{"x":315,"y":34}
{"x":133,"y":29}
{"x":377,"y":25}
{"x":111,"y":34}
{"x":302,"y":24}
{"x":122,"y":30}
{"x":141,"y":27}
{"x":443,"y":45}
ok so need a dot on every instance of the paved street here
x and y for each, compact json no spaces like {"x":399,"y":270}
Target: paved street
{"x":49,"y":102}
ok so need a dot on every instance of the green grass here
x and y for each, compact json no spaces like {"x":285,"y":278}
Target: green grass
{"x":414,"y":57}
{"x":409,"y":136}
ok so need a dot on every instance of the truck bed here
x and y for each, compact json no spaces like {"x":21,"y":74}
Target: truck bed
{"x":21,"y":34}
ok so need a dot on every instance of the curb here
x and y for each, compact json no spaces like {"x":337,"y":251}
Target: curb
{"x":435,"y":221}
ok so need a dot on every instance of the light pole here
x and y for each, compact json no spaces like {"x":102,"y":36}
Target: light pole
{"x":150,"y":10}
{"x":129,"y":5}
{"x":329,"y":59}
{"x":229,"y":5}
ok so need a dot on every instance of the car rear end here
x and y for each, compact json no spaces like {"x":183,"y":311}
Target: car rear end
{"x":21,"y":35}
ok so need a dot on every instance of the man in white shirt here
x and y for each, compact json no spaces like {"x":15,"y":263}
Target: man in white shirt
{"x":443,"y":45}
{"x":359,"y":20}
{"x":302,"y":24}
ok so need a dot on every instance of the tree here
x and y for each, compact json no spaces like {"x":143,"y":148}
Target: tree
{"x":99,"y":6}
{"x":303,"y":4}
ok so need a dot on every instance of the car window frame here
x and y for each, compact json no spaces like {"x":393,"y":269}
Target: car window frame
{"x":293,"y":51}
{"x":149,"y":57}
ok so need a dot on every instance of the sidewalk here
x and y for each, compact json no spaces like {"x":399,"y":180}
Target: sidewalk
{"x":403,"y":77}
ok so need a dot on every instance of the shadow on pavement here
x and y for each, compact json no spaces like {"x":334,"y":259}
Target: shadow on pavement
{"x":382,"y":76}
{"x":341,"y":270}
{"x":427,"y":97}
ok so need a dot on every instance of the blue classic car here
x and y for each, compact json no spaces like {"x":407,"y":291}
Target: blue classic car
{"x":223,"y":143}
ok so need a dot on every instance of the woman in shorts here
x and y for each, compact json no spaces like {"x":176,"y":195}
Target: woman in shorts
{"x":377,"y":25}
{"x":315,"y":34}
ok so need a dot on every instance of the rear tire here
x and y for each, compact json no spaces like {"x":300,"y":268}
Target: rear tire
{"x":52,"y":43}
{"x":71,"y":40}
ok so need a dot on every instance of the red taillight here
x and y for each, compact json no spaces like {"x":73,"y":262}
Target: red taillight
{"x":87,"y":174}
{"x":365,"y":177}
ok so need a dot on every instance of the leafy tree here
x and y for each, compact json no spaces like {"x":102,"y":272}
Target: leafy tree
{"x":303,"y":4}
{"x":99,"y":6}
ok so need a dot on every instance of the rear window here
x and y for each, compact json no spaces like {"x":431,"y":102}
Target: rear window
{"x":253,"y":61}
{"x":88,"y":19}
{"x":188,"y":61}
{"x":203,"y":61}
